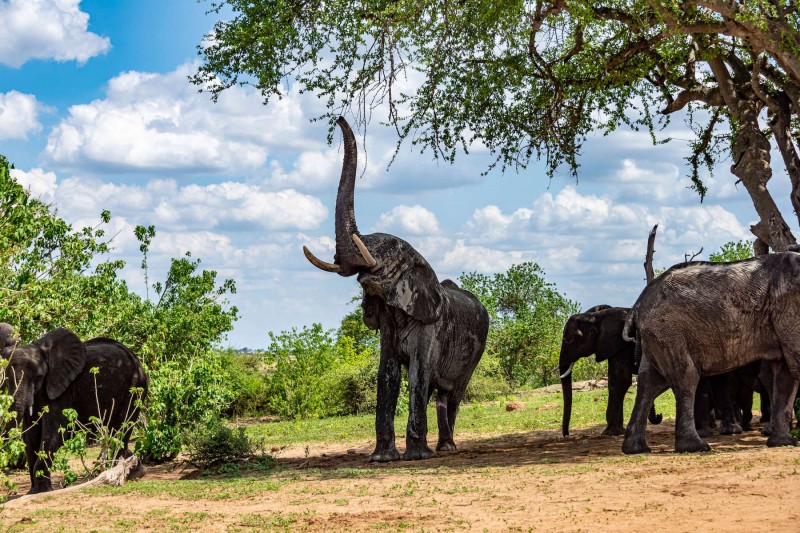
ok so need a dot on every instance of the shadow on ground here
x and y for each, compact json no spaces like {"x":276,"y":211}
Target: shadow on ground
{"x":519,"y":449}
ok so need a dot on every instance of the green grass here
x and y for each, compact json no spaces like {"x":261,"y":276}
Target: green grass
{"x":542,"y":411}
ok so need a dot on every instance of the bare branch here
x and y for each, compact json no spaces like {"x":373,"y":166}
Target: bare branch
{"x":648,"y":258}
{"x":688,"y":259}
{"x":710,"y":96}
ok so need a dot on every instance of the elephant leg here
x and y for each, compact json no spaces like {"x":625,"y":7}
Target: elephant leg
{"x":33,"y":439}
{"x":419,"y":376}
{"x":620,"y":374}
{"x":783,"y":392}
{"x":723,"y":405}
{"x":445,"y":443}
{"x":686,"y":436}
{"x":51,"y":440}
{"x":388,"y":390}
{"x":703,"y":421}
{"x":650,"y":385}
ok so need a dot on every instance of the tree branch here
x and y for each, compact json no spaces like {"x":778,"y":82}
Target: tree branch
{"x":648,"y":258}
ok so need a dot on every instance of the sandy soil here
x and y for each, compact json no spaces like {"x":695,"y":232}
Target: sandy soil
{"x":525,"y":481}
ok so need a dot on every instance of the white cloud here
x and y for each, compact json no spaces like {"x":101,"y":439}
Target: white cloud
{"x":41,"y":184}
{"x":465,"y":258}
{"x":46,"y":29}
{"x":160,"y":122}
{"x":18,"y":115}
{"x":404,"y":219}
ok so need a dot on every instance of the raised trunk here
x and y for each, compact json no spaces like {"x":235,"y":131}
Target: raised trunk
{"x":347,"y":256}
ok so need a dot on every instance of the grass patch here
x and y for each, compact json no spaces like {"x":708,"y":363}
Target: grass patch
{"x":542,"y":411}
{"x":195,"y":489}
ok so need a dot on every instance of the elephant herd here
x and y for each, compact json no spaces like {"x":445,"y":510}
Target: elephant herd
{"x":696,"y":329}
{"x":98,"y":378}
{"x":716,"y":322}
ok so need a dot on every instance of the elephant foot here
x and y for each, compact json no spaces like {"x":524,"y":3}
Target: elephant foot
{"x":446,"y":446}
{"x":416,"y":452}
{"x":785,"y":439}
{"x":730,"y":429}
{"x":384,"y":456}
{"x":705,"y":432}
{"x":691,"y":445}
{"x":630,"y":446}
{"x":767,"y":429}
{"x":36,"y":488}
{"x":747,"y":427}
{"x":614,"y":430}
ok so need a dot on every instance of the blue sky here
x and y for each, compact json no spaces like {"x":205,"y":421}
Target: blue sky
{"x":97,"y":113}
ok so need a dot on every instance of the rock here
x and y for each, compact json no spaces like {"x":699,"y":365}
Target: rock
{"x":275,"y":449}
{"x":351,"y":451}
{"x":515,"y":406}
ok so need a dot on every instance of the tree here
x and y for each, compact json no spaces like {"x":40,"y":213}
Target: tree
{"x":732,"y":251}
{"x":533,"y":78}
{"x":527,"y":316}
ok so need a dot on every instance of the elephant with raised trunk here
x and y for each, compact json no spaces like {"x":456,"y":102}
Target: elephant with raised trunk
{"x":56,"y":371}
{"x":703,"y":319}
{"x":436,"y":330}
{"x":598,"y":331}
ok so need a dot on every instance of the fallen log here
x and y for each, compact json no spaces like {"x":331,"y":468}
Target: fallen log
{"x":130,"y":468}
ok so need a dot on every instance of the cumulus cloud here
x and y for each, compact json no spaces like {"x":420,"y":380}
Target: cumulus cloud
{"x":46,"y":29}
{"x":41,"y":184}
{"x":159,"y":122}
{"x":18,"y":115}
{"x":404,"y":219}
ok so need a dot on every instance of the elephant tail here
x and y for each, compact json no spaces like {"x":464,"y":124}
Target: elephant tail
{"x":653,"y":417}
{"x":630,"y":322}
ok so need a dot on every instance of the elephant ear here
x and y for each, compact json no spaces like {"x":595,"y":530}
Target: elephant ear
{"x":417,"y":292}
{"x":66,"y":357}
{"x":610,"y":342}
{"x":370,"y":306}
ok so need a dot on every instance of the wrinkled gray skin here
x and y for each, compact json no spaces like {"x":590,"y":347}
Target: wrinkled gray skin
{"x":436,"y":330}
{"x":703,"y":319}
{"x":54,"y":371}
{"x":598,"y":331}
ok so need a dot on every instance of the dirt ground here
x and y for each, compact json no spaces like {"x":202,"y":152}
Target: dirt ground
{"x":525,"y":481}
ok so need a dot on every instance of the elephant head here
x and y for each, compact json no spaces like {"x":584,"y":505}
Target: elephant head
{"x":597,"y":331}
{"x":8,"y":340}
{"x":50,"y":364}
{"x":389,"y":269}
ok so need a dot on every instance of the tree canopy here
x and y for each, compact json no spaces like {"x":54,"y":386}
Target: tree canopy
{"x":532,"y":79}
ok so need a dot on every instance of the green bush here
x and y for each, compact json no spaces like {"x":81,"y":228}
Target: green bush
{"x":527,"y":316}
{"x":487,"y":383}
{"x":218,"y":443}
{"x":182,"y":397}
{"x":246,"y":375}
{"x":353,"y":386}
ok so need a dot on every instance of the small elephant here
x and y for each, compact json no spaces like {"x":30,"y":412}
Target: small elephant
{"x":436,"y":330}
{"x":56,"y":371}
{"x":702,"y":319}
{"x":598,"y":331}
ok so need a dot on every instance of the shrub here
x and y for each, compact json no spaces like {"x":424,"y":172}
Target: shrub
{"x":181,"y":398}
{"x":487,"y":383}
{"x":247,"y":379}
{"x":218,"y":443}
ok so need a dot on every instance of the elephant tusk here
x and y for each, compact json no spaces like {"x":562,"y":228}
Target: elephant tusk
{"x":569,"y":370}
{"x":322,"y":265}
{"x":30,"y":411}
{"x":364,"y":252}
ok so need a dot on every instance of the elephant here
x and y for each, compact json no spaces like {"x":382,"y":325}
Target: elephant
{"x":56,"y":371}
{"x":702,"y":319}
{"x":436,"y":330}
{"x":598,"y":331}
{"x":8,"y":340}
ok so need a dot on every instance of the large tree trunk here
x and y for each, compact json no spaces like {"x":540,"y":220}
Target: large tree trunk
{"x":751,"y":156}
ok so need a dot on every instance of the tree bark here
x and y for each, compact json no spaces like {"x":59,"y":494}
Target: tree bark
{"x":751,"y":158}
{"x":648,"y":258}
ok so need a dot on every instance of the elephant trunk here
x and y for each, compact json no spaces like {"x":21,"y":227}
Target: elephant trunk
{"x":566,"y":388}
{"x":348,"y":257}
